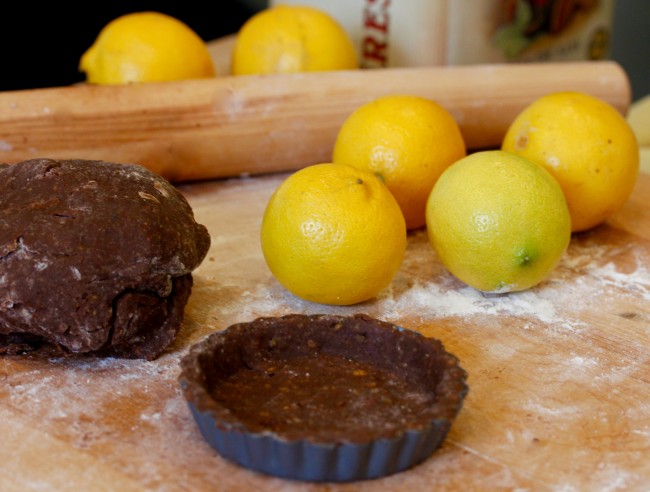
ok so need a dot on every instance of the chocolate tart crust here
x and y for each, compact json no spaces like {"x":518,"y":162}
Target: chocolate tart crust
{"x":346,"y":382}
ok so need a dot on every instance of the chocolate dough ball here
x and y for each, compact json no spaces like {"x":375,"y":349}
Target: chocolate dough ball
{"x":95,"y":257}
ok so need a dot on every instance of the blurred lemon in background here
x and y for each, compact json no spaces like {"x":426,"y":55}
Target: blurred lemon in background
{"x":146,"y":47}
{"x":587,"y":145}
{"x":289,"y":39}
{"x":408,"y":141}
{"x":333,"y":234}
{"x":498,"y":222}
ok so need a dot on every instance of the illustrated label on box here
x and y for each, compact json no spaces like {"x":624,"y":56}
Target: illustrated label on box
{"x":392,"y":33}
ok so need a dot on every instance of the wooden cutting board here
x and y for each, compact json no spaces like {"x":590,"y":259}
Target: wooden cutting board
{"x":559,"y":375}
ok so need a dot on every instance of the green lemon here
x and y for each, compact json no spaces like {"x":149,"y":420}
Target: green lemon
{"x":498,"y":222}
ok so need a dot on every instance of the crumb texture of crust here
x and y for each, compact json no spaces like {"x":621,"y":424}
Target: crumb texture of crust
{"x":324,"y":378}
{"x":77,"y":237}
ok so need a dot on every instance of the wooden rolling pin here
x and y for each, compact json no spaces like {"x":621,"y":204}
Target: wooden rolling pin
{"x":234,"y":125}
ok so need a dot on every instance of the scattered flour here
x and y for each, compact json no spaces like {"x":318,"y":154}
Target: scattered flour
{"x":636,"y":282}
{"x":587,"y":276}
{"x":430,"y":299}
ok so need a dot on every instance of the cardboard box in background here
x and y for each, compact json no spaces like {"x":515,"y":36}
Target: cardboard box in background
{"x":445,"y":32}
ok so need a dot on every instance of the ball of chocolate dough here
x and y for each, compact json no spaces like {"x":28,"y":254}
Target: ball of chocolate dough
{"x":95,"y":257}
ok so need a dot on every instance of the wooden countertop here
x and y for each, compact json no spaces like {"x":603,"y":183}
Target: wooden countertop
{"x":559,"y":375}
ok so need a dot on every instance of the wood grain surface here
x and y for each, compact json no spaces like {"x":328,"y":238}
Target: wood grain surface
{"x":559,"y":375}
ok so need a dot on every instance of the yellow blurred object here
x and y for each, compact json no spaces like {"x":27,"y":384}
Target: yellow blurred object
{"x":407,"y":141}
{"x":498,"y":221}
{"x":290,"y":39}
{"x":639,"y":119}
{"x":146,"y":47}
{"x":333,"y":234}
{"x":587,"y":145}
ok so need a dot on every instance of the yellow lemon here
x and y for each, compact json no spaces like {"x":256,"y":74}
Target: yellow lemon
{"x":290,"y":39}
{"x":408,"y":141}
{"x":146,"y":47}
{"x":587,"y":145}
{"x":333,"y":234}
{"x":498,"y":221}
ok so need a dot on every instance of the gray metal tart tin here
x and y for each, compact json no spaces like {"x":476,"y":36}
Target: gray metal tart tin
{"x":271,"y":454}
